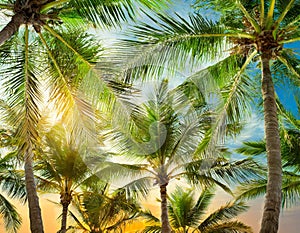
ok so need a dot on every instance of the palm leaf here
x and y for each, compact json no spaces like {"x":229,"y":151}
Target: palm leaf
{"x":223,"y":214}
{"x":12,"y":182}
{"x":12,"y":219}
{"x":152,"y":229}
{"x":171,"y":38}
{"x":252,"y":148}
{"x":252,"y":189}
{"x":230,"y":227}
{"x":105,"y":14}
{"x":182,"y":209}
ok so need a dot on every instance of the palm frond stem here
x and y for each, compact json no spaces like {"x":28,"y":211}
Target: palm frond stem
{"x":52,"y":4}
{"x":228,"y":35}
{"x":270,"y":14}
{"x":52,"y":57}
{"x":289,"y":66}
{"x":238,"y":75}
{"x":262,"y":12}
{"x":237,"y":79}
{"x":55,"y":34}
{"x":177,"y":175}
{"x":291,"y":24}
{"x":289,"y":41}
{"x":68,"y":91}
{"x":177,"y":145}
{"x":26,"y":53}
{"x":247,"y":15}
{"x":283,"y":14}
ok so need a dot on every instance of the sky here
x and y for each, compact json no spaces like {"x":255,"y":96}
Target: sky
{"x":289,"y":221}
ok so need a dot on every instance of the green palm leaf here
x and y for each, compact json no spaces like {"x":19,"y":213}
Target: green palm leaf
{"x":224,"y":213}
{"x":171,"y":38}
{"x":12,"y":219}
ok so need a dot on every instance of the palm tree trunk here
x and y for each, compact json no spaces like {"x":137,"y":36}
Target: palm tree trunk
{"x":63,"y":228}
{"x":270,"y":219}
{"x":36,"y":223}
{"x":11,"y":28}
{"x":165,"y":225}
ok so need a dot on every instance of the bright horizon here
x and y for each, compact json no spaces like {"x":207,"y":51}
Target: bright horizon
{"x":289,"y":218}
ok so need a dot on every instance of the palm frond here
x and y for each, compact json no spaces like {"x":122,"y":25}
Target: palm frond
{"x":252,"y":148}
{"x":252,"y":189}
{"x":78,"y":221}
{"x":12,"y":182}
{"x":152,"y":229}
{"x":198,"y":210}
{"x":149,"y":217}
{"x":257,"y":188}
{"x":229,"y":107}
{"x":289,"y":13}
{"x":160,"y":44}
{"x":288,"y":116}
{"x":110,"y":13}
{"x":222,"y":171}
{"x":12,"y":219}
{"x":223,"y":214}
{"x":230,"y":227}
{"x":291,"y":65}
{"x":70,"y":63}
{"x":21,"y":84}
{"x":104,"y":14}
{"x":290,"y":189}
{"x":138,"y":187}
{"x":183,"y":211}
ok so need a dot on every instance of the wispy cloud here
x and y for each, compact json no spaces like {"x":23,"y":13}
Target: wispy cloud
{"x":253,"y":131}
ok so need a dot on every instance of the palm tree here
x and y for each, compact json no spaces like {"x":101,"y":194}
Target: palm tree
{"x":290,"y":144}
{"x":61,"y":168}
{"x":98,"y":210}
{"x":246,"y":33}
{"x":190,"y":215}
{"x":28,"y":58}
{"x":161,"y":143}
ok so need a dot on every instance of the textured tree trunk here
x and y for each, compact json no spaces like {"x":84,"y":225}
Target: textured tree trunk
{"x":64,"y":218}
{"x":270,"y":219}
{"x":11,"y":28}
{"x":165,"y":224}
{"x":36,"y":223}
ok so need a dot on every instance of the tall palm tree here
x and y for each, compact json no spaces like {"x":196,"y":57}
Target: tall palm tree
{"x":189,"y":215}
{"x":246,"y":33}
{"x":27,"y":53}
{"x":61,"y":168}
{"x":98,"y":210}
{"x":161,"y":144}
{"x":23,"y":73}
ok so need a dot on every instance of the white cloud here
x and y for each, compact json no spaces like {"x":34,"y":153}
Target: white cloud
{"x":252,"y":131}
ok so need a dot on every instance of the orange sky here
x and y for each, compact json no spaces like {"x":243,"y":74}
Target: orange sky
{"x":289,"y":218}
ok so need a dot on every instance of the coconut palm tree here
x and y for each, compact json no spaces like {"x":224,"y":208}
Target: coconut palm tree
{"x":23,"y":75}
{"x":61,"y":168}
{"x":247,"y":33}
{"x":161,"y":145}
{"x":99,"y":210}
{"x":26,"y":54}
{"x":189,"y":215}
